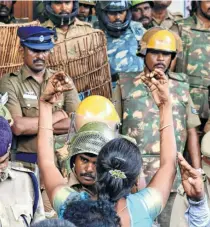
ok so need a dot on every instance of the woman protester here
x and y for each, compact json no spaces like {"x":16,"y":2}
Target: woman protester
{"x":118,"y":167}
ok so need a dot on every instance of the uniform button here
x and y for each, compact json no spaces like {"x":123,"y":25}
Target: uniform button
{"x":59,"y":104}
{"x":28,"y":105}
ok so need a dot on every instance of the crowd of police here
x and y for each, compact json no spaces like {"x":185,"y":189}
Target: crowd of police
{"x":98,"y":161}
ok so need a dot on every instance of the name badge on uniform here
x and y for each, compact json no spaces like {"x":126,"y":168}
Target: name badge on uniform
{"x":30,"y":95}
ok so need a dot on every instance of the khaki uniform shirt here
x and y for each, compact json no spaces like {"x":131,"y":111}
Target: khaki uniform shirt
{"x":181,"y":204}
{"x":169,"y":22}
{"x":17,"y":199}
{"x":69,"y":44}
{"x":24,"y":92}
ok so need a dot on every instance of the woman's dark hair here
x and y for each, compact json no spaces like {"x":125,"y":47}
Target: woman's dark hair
{"x":53,"y":223}
{"x":118,"y":154}
{"x":90,"y":213}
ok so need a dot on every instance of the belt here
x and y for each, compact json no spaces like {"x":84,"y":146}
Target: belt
{"x":26,"y":157}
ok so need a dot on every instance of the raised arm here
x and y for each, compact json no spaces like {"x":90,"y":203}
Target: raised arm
{"x":164,"y":178}
{"x":53,"y":179}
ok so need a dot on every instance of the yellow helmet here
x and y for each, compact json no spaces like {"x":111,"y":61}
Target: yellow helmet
{"x":158,"y":38}
{"x":96,"y":108}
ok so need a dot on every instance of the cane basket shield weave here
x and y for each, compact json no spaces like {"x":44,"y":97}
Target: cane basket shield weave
{"x":11,"y":58}
{"x":85,"y":59}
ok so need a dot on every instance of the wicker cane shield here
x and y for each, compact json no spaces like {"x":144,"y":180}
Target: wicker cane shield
{"x":85,"y":59}
{"x":11,"y":58}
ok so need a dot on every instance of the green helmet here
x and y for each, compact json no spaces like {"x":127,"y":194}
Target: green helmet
{"x":90,"y":139}
{"x":137,"y":2}
{"x":87,"y":2}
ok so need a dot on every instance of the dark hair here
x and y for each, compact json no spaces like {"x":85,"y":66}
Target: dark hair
{"x":53,"y":223}
{"x":90,"y":213}
{"x":194,"y":7}
{"x":118,"y":154}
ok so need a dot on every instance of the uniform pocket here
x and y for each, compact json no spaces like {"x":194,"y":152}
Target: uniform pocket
{"x":22,"y":213}
{"x":29,"y":107}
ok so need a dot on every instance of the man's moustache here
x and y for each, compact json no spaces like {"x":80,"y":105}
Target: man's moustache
{"x":87,"y":175}
{"x":142,"y":18}
{"x":38,"y":60}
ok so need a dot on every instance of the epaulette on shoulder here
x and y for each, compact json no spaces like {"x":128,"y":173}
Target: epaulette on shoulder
{"x":182,"y":77}
{"x":19,"y":167}
{"x":177,"y":15}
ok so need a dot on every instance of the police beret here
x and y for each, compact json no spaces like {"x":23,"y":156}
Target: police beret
{"x":205,"y":145}
{"x":36,"y":37}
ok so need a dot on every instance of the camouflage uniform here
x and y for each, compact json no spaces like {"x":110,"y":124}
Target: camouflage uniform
{"x":141,"y":117}
{"x":169,"y":22}
{"x":196,"y":49}
{"x":122,"y":50}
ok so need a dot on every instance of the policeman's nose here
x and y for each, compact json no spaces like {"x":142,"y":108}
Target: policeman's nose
{"x":82,"y":9}
{"x":91,"y":168}
{"x":160,"y":57}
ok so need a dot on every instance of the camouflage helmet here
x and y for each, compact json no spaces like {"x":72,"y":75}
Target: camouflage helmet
{"x":90,"y":139}
{"x":87,"y":2}
{"x":158,"y":38}
{"x":137,"y":2}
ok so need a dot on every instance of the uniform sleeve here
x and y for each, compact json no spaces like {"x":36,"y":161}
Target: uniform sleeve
{"x":71,"y":100}
{"x":193,"y":119}
{"x":13,"y":103}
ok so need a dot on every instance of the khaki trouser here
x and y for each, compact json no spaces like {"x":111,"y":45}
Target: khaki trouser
{"x":49,"y":211}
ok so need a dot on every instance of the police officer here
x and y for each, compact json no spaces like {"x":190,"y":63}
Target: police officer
{"x":142,"y":12}
{"x":24,"y":88}
{"x":195,"y":33}
{"x":62,"y":18}
{"x":21,"y":203}
{"x":140,"y":115}
{"x":122,"y":35}
{"x":95,"y":125}
{"x":6,"y":12}
{"x":86,"y":10}
{"x":181,"y":202}
{"x":163,"y":17}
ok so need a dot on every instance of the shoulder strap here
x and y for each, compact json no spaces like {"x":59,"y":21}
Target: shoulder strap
{"x":36,"y":191}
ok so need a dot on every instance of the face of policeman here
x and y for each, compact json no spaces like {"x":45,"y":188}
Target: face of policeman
{"x":204,"y":9}
{"x":62,"y":8}
{"x":5,"y":8}
{"x":84,"y":11}
{"x":117,"y":17}
{"x":142,"y":13}
{"x":35,"y":59}
{"x":158,"y":60}
{"x":85,"y":168}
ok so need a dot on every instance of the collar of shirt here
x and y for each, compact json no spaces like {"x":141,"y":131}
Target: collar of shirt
{"x":198,"y":23}
{"x":24,"y":73}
